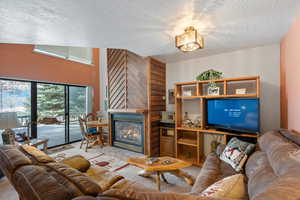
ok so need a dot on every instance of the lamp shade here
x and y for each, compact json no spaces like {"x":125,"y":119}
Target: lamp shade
{"x":190,"y":40}
{"x":9,"y":120}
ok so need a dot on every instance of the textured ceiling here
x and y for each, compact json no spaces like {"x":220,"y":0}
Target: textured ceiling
{"x":146,"y":27}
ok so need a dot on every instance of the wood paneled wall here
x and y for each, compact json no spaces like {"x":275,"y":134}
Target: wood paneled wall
{"x":117,"y":81}
{"x":156,"y":101}
{"x":135,"y":83}
{"x":127,"y":80}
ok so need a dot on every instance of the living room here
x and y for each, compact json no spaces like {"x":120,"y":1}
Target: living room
{"x":149,"y":100}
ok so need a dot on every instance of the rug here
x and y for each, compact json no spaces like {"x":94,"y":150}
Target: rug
{"x":60,"y":149}
{"x":108,"y":162}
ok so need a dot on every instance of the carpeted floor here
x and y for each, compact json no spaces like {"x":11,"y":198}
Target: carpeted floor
{"x":130,"y":172}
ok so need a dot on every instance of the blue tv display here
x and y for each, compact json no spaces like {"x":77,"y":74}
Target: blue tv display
{"x":234,"y":114}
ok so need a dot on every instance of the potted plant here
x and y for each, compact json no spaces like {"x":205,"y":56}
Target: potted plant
{"x":211,"y":75}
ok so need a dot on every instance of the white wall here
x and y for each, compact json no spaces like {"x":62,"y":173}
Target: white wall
{"x":263,"y":61}
{"x":103,"y":78}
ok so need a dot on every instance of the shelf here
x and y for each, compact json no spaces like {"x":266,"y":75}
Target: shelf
{"x":189,"y":129}
{"x":186,"y":141}
{"x":190,"y":141}
{"x":213,"y":131}
{"x":230,"y":96}
{"x":188,"y":97}
{"x":220,"y":80}
{"x":218,"y":96}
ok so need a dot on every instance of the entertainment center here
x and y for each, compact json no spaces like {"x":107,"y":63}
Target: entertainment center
{"x":235,"y":112}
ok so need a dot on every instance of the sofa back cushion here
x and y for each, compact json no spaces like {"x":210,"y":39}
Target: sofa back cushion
{"x":34,"y":183}
{"x":35,"y":175}
{"x":273,"y":172}
{"x":11,"y":159}
{"x":292,"y":135}
{"x":280,"y":152}
{"x":74,"y":179}
{"x":36,"y":155}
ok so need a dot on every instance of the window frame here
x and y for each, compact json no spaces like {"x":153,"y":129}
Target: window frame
{"x":68,"y":57}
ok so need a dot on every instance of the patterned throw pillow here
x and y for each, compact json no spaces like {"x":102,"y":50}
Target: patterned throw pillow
{"x":236,"y":153}
{"x":232,"y":187}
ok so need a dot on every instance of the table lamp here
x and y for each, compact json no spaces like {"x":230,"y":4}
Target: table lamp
{"x":8,"y":120}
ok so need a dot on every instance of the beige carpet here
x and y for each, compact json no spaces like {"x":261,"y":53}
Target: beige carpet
{"x":130,"y":172}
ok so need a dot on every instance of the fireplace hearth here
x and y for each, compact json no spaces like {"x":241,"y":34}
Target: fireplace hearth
{"x":128,"y":131}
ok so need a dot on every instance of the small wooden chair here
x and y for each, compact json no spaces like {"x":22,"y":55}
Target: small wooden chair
{"x":88,"y":138}
{"x":91,"y":117}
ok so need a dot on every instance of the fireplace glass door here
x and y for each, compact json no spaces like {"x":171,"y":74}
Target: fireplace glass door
{"x":128,"y":131}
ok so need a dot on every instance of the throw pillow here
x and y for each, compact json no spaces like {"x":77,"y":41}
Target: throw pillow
{"x":37,"y":154}
{"x":236,"y":153}
{"x":78,"y":162}
{"x":232,"y":187}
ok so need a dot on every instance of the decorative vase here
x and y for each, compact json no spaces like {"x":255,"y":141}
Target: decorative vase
{"x":187,"y":122}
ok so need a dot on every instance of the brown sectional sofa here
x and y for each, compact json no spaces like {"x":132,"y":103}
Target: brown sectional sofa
{"x":273,"y":173}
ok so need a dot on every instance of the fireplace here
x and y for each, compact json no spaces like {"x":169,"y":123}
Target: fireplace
{"x":128,"y":131}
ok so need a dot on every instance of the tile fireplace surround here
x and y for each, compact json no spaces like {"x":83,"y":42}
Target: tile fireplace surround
{"x":128,"y":131}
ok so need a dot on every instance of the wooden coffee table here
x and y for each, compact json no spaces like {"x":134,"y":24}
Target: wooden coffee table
{"x":164,"y":165}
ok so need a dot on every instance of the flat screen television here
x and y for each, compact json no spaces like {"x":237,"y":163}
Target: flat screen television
{"x":240,"y":115}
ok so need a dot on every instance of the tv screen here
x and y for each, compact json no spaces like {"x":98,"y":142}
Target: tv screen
{"x":234,"y":114}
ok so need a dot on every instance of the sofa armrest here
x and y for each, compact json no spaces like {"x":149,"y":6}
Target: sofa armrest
{"x":77,"y":162}
{"x":135,"y":195}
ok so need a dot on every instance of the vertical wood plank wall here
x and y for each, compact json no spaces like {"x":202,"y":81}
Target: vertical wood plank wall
{"x":156,"y":102}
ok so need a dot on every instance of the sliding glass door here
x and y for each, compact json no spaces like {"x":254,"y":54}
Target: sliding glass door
{"x":78,"y":107}
{"x":15,"y":96}
{"x":53,"y":109}
{"x":51,"y":113}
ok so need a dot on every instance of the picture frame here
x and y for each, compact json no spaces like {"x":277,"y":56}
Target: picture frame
{"x":171,"y":96}
{"x":213,"y":91}
{"x":240,"y":91}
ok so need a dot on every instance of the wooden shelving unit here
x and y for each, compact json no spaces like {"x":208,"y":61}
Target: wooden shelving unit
{"x":189,"y":141}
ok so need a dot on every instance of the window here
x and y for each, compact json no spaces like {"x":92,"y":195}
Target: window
{"x":77,"y":54}
{"x":52,"y":108}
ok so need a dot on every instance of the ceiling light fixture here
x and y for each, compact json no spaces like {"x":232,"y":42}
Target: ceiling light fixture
{"x":190,"y":40}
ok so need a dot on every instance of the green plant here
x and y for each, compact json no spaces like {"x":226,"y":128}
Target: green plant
{"x":210,"y":75}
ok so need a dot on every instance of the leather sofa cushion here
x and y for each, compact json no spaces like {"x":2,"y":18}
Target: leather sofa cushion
{"x":35,"y":182}
{"x":11,"y":158}
{"x":233,"y":187}
{"x":286,"y":187}
{"x":293,"y":136}
{"x":101,"y":197}
{"x":36,"y":154}
{"x":212,"y":171}
{"x":77,"y":162}
{"x":280,"y":152}
{"x":259,"y":172}
{"x":82,"y":182}
{"x":140,"y":195}
{"x":103,"y":177}
{"x":126,"y":184}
